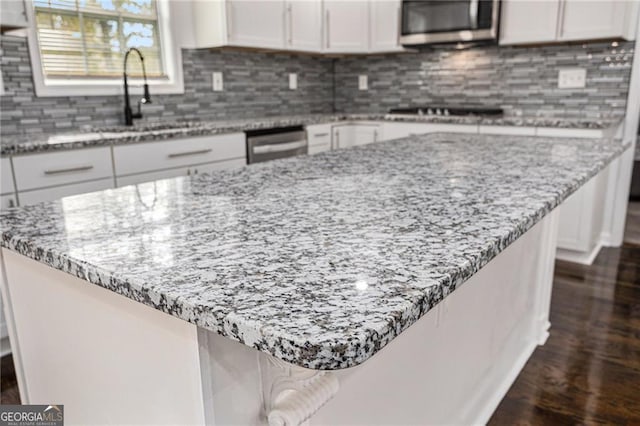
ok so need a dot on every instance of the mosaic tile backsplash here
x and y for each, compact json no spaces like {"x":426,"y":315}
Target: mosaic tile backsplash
{"x":523,"y":80}
{"x":255,"y":85}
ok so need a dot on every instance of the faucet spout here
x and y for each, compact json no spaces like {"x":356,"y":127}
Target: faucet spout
{"x":129,"y":115}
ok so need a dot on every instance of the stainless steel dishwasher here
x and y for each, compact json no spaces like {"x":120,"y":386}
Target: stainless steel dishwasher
{"x":274,"y":143}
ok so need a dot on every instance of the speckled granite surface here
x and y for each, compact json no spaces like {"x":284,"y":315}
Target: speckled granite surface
{"x":162,"y":130}
{"x":318,"y":260}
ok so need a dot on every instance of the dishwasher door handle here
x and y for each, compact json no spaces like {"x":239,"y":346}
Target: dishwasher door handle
{"x":279,"y":147}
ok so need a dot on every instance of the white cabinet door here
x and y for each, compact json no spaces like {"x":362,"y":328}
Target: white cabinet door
{"x":349,"y":135}
{"x":181,"y":171}
{"x":6,"y":177}
{"x":365,"y":134}
{"x":528,"y":21}
{"x":49,"y":194}
{"x":150,"y":156}
{"x":385,"y":25}
{"x":13,"y":14}
{"x":590,"y":19}
{"x":346,"y":26}
{"x":304,"y":25}
{"x":254,"y":23}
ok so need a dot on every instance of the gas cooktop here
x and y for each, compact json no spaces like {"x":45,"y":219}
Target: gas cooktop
{"x":447,"y":110}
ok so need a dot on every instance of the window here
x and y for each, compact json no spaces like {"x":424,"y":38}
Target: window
{"x":88,"y":38}
{"x":77,"y":47}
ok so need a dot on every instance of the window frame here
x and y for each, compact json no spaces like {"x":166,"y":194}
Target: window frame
{"x":173,"y":83}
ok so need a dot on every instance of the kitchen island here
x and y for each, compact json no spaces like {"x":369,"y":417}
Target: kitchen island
{"x":327,"y":286}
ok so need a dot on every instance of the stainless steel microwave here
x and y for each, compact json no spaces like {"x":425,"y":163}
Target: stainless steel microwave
{"x":448,"y":21}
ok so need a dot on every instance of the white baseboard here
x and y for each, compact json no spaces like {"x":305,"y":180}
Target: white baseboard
{"x":584,"y":258}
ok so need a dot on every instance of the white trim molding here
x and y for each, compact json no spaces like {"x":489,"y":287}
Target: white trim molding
{"x":170,"y":34}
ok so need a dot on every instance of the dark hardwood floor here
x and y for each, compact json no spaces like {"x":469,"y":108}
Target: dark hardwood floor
{"x":588,"y":372}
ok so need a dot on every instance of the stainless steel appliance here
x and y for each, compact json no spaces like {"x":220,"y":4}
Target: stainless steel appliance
{"x":270,"y":144}
{"x":448,"y":21}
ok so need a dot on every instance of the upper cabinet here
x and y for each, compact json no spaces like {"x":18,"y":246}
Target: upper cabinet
{"x":255,"y":23}
{"x":13,"y":15}
{"x":385,"y":26}
{"x":331,"y":26}
{"x":529,"y":21}
{"x":303,"y":22}
{"x":346,"y":24}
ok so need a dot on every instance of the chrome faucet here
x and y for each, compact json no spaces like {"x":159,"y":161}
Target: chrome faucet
{"x":146,"y":98}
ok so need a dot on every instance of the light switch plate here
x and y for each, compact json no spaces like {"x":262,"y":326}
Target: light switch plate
{"x":572,"y":78}
{"x":293,"y":81}
{"x":217,"y":81}
{"x":363,"y":82}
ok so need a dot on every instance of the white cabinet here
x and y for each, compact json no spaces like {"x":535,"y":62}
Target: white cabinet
{"x":6,"y":177}
{"x":319,"y":138}
{"x":530,"y":21}
{"x":582,"y":19}
{"x":182,"y":171}
{"x":13,"y":14}
{"x":346,"y":25}
{"x":304,"y":25}
{"x":385,"y":26}
{"x":356,"y":134}
{"x":246,"y":23}
{"x":61,"y":168}
{"x":177,"y":153}
{"x":255,"y":23}
{"x":57,"y":192}
{"x":581,"y":221}
{"x":7,"y":201}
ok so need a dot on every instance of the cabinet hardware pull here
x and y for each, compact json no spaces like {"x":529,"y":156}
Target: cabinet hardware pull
{"x":319,"y":135}
{"x":69,"y":170}
{"x":228,"y":19}
{"x":184,"y":154}
{"x":327,"y":29}
{"x":290,"y":24}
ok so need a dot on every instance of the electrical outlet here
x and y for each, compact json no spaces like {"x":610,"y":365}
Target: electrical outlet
{"x":363,"y":82}
{"x":217,"y":81}
{"x":293,"y":81}
{"x":572,"y":78}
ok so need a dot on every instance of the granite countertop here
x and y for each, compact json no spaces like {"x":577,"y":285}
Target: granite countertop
{"x":318,"y":260}
{"x":154,"y":131}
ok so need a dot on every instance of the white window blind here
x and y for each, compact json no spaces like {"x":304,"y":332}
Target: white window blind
{"x":88,"y":38}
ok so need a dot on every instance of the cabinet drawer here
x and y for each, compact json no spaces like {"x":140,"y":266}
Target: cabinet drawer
{"x":146,"y":157}
{"x":6,"y":177}
{"x":315,"y":149}
{"x":319,"y":134}
{"x":49,"y":194}
{"x":180,"y":171}
{"x":61,"y":168}
{"x":454,"y":128}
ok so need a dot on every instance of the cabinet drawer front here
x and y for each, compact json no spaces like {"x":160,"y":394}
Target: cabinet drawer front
{"x":319,"y":134}
{"x":146,"y":157}
{"x":6,"y":176}
{"x":40,"y":195}
{"x":315,"y":149}
{"x":455,"y":128}
{"x":180,"y":171}
{"x":569,"y":133}
{"x":62,"y":168}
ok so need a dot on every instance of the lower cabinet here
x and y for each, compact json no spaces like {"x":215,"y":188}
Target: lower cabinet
{"x":57,"y":192}
{"x":581,"y":221}
{"x":356,"y":134}
{"x":319,"y":138}
{"x":182,"y":171}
